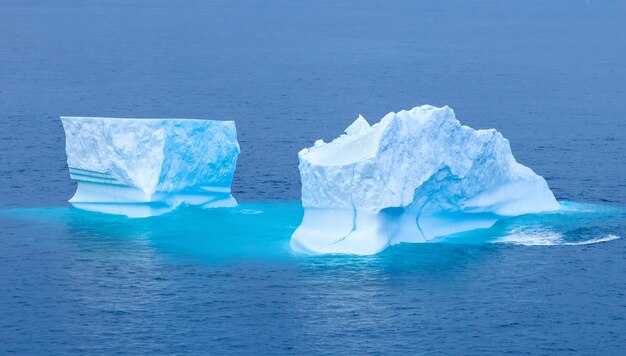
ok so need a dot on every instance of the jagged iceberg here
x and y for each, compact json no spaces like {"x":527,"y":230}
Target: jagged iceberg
{"x":146,"y":167}
{"x":414,"y":176}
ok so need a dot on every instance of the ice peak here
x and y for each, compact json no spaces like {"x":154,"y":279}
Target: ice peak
{"x":358,"y":126}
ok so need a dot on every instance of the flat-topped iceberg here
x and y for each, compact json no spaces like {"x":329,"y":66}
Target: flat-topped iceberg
{"x":146,"y":167}
{"x":414,"y":176}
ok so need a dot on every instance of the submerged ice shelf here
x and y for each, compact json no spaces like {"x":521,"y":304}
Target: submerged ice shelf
{"x":414,"y":176}
{"x":260,"y":230}
{"x":146,"y":167}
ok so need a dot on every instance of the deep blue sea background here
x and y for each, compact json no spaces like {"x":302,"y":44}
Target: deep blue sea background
{"x":550,"y":75}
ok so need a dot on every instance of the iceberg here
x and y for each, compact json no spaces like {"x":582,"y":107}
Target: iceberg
{"x":415,"y":176}
{"x":147,"y":167}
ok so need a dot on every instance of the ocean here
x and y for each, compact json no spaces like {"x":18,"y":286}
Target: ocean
{"x":548,"y":75}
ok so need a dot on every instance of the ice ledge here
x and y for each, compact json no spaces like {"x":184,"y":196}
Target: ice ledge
{"x":146,"y":167}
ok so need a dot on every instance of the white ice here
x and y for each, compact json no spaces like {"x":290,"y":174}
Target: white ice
{"x":147,"y":167}
{"x":414,"y":176}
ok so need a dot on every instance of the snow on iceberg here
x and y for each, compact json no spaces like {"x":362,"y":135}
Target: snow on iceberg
{"x":146,"y":167}
{"x":414,"y":176}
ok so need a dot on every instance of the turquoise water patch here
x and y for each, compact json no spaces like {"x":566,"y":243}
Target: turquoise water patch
{"x":249,"y":231}
{"x":261,"y":230}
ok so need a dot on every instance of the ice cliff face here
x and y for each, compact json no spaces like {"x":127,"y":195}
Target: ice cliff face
{"x":414,"y":176}
{"x":145,"y":167}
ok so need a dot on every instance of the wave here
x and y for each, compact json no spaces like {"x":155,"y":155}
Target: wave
{"x":550,"y":239}
{"x":593,"y":241}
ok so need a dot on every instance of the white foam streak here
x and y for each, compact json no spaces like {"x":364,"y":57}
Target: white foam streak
{"x":593,"y":241}
{"x":550,"y":239}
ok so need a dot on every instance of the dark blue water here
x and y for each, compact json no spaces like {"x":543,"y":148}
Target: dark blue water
{"x":549,"y":75}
